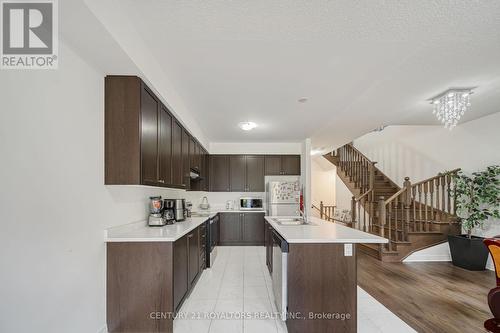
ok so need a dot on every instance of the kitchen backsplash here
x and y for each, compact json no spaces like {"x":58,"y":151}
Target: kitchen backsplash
{"x":217,"y":200}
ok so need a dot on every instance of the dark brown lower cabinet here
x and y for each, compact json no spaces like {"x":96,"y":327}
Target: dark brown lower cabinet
{"x":180,"y":270}
{"x":193,"y":256}
{"x":268,"y":240}
{"x":148,"y":281}
{"x":253,"y":228}
{"x":241,"y":229}
{"x":230,"y":229}
{"x":322,"y":286}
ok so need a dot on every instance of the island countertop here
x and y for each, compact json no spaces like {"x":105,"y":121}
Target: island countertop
{"x":321,"y":231}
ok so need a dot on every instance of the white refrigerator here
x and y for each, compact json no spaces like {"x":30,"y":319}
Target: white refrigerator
{"x":283,"y":196}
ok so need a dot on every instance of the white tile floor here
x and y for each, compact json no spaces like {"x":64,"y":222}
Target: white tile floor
{"x":234,"y":286}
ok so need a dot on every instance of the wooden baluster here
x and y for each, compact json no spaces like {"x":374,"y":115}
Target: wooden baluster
{"x":358,"y":205}
{"x":353,"y":212}
{"x":421,"y":226}
{"x":405,"y":218}
{"x":364,"y":214}
{"x":443,"y":193}
{"x":381,"y":217}
{"x":321,"y":208}
{"x":397,"y":217}
{"x":389,"y":223}
{"x":438,"y":197}
{"x":431,"y":208}
{"x":372,"y":212}
{"x":413,"y":194}
{"x":426,"y":216}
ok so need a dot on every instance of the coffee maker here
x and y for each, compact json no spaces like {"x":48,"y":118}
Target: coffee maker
{"x":180,"y":208}
{"x":155,"y":218}
{"x":169,"y":211}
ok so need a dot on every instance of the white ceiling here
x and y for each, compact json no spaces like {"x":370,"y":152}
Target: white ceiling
{"x":361,"y":63}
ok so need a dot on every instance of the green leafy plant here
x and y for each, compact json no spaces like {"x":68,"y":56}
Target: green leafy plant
{"x":477,"y":197}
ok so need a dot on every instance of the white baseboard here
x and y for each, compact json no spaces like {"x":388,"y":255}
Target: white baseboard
{"x":427,"y":257}
{"x":103,"y":329}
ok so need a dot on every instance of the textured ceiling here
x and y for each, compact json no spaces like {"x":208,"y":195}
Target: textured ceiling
{"x":361,"y":63}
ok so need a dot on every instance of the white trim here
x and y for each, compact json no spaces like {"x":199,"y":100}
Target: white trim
{"x":415,"y":257}
{"x":103,"y":329}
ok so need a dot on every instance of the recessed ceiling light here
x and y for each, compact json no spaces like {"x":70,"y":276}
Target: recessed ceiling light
{"x":303,"y":99}
{"x":247,"y":125}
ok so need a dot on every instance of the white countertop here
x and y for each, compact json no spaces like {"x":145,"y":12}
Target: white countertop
{"x":141,"y":232}
{"x":322,"y":232}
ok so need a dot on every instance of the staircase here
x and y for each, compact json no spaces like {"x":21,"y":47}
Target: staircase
{"x":412,"y":217}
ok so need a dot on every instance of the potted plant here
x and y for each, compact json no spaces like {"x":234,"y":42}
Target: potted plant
{"x":477,"y":198}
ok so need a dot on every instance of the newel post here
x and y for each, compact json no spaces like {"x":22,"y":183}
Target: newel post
{"x":407,"y":205}
{"x":321,"y":209}
{"x":353,"y":211}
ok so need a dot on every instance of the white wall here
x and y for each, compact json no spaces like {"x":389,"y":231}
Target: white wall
{"x":421,"y":152}
{"x":255,"y":148}
{"x":323,"y":174}
{"x":53,"y":204}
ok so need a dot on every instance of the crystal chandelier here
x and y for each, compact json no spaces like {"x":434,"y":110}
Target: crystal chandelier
{"x":451,"y":105}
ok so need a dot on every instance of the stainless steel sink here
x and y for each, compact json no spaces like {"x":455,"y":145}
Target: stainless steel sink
{"x":292,"y":221}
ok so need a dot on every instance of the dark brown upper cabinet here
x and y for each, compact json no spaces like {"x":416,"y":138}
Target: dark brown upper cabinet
{"x":165,"y":146}
{"x":137,"y":138}
{"x":144,"y":143}
{"x":279,"y":165}
{"x":177,"y":171}
{"x":219,"y":173}
{"x":255,"y":173}
{"x":149,"y":137}
{"x":237,"y":173}
{"x":186,"y":180}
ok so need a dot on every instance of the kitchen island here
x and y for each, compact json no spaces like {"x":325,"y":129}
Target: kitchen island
{"x":152,"y":270}
{"x":321,"y":276}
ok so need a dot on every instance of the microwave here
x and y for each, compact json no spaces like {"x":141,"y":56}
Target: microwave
{"x":248,"y":203}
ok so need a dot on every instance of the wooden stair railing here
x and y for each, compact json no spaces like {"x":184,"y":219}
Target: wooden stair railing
{"x":417,"y":207}
{"x":381,"y":207}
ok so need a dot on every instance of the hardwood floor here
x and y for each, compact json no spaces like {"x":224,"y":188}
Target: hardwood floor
{"x":430,"y":297}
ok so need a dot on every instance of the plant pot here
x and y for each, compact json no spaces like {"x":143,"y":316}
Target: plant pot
{"x":468,"y":253}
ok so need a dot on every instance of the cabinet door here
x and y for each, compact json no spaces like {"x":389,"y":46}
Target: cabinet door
{"x":230,"y":228}
{"x":269,"y":247}
{"x":180,"y":270}
{"x":149,"y":138}
{"x":253,"y":228}
{"x":193,"y":255}
{"x":192,"y":153}
{"x":165,"y":147}
{"x":272,"y":165}
{"x":255,"y":174}
{"x":237,"y":167}
{"x":185,"y":158}
{"x":219,"y":173}
{"x":290,"y":164}
{"x":177,"y":170}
